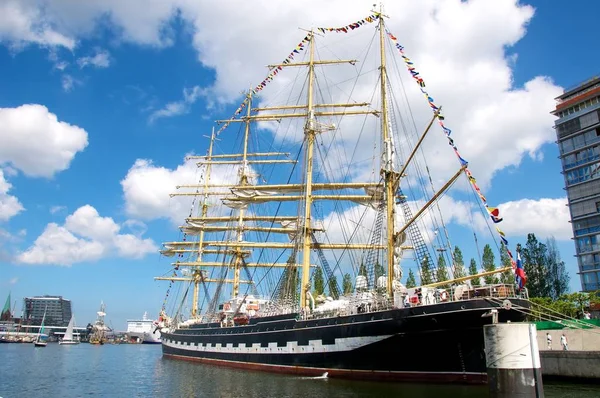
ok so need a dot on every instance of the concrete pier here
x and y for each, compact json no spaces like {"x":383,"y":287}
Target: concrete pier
{"x":571,"y":364}
{"x":513,"y":361}
{"x":578,"y":339}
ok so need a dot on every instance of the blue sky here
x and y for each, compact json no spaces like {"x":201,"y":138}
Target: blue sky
{"x":103,"y":72}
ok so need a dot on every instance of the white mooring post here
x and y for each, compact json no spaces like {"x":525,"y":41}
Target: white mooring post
{"x":513,"y":360}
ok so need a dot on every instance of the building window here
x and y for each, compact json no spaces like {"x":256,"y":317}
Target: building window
{"x":568,"y":127}
{"x":588,"y":119}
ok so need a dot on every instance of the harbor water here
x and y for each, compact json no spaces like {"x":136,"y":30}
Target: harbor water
{"x":127,"y":370}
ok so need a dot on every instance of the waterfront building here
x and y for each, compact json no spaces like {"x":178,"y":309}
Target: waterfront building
{"x":58,"y":310}
{"x":578,"y":137}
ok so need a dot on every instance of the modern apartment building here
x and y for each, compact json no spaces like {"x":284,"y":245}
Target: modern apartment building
{"x":578,"y":134}
{"x":58,"y":310}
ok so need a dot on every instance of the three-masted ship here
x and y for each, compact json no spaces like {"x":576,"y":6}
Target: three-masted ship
{"x":271,"y":232}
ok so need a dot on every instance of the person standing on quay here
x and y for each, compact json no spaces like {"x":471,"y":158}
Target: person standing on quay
{"x":549,"y":340}
{"x":563,"y":342}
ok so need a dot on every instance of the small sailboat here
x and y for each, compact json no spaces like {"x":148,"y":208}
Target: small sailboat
{"x":39,"y":341}
{"x":68,"y":338}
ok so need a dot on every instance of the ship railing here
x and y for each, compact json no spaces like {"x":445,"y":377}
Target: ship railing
{"x":429,"y":296}
{"x":422,"y":297}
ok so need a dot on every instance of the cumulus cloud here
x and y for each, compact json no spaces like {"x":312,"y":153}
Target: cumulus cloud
{"x":24,"y":22}
{"x":100,"y":60}
{"x":455,"y":44}
{"x":64,"y":22}
{"x":9,"y":205}
{"x":461,"y":48}
{"x":84,"y":237}
{"x":147,"y":188}
{"x":35,"y":142}
{"x":544,"y":217}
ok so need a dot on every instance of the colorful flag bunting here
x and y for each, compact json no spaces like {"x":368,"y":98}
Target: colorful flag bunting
{"x":494,"y":213}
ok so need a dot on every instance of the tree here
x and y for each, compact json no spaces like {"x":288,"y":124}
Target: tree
{"x":507,"y":277}
{"x":333,"y":288}
{"x":572,"y":305}
{"x":318,"y":282}
{"x":362,"y":270}
{"x":534,"y":257}
{"x":459,"y":263}
{"x":347,"y":284}
{"x":487,"y":262}
{"x":442,"y":271}
{"x":379,"y":271}
{"x":426,"y":274}
{"x":410,"y":281}
{"x":473,"y":271}
{"x":558,"y":278}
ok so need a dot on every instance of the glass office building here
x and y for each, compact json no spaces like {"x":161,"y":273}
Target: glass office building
{"x":58,"y":310}
{"x":578,"y":134}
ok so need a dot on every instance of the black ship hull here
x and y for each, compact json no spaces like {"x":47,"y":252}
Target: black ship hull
{"x":440,"y":342}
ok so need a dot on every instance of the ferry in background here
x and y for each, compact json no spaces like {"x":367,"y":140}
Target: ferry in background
{"x":143,"y":331}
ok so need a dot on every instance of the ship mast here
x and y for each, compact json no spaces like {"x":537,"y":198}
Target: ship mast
{"x":246,"y":192}
{"x":239,"y":255}
{"x":309,"y":132}
{"x":387,"y":171}
{"x":197,"y":276}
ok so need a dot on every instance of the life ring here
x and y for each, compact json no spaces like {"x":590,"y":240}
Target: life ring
{"x":444,"y":295}
{"x":226,"y":307}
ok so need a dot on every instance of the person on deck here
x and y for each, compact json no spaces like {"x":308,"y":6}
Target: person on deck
{"x":563,"y":342}
{"x":549,"y":340}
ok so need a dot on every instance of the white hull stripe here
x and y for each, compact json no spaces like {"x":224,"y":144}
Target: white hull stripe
{"x":292,"y":347}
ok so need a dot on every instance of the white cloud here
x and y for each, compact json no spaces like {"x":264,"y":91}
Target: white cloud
{"x":190,"y":95}
{"x":461,"y":48}
{"x":544,"y":217}
{"x":9,"y":205}
{"x":147,"y":189}
{"x":36,"y":142}
{"x":13,"y":281}
{"x":63,"y":22}
{"x":57,"y":245}
{"x":22,"y":22}
{"x":69,"y":82}
{"x":56,"y":209}
{"x":136,"y":227}
{"x":84,"y":237}
{"x":87,"y":223}
{"x":456,"y":45}
{"x":61,"y":65}
{"x":100,"y":60}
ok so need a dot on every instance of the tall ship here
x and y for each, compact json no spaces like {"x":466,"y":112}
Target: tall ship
{"x":98,"y":332}
{"x":326,"y":180}
{"x":143,"y":330}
